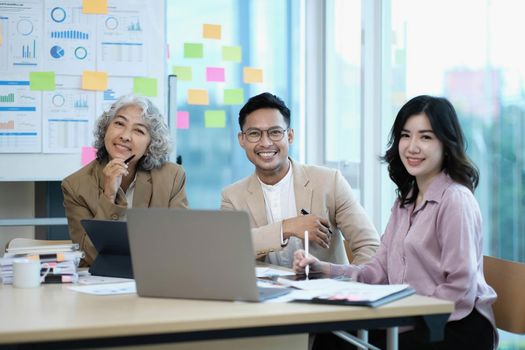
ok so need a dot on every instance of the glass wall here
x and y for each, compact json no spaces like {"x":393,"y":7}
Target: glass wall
{"x":224,"y":52}
{"x":343,"y":89}
{"x":466,"y":51}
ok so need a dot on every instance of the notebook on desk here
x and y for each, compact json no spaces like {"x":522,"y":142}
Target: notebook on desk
{"x":194,"y":254}
{"x":110,"y":239}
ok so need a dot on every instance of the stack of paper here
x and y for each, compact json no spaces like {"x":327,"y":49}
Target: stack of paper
{"x":333,"y":291}
{"x":61,"y":257}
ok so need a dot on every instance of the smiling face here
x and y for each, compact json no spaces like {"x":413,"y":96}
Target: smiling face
{"x":421,"y":152}
{"x":269,"y":157}
{"x":127,"y":134}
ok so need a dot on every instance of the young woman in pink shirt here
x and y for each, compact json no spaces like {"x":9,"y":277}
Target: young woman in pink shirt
{"x":433,"y":240}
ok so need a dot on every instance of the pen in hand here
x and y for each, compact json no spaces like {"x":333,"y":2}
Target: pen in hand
{"x":306,"y":246}
{"x":129,"y":159}
{"x":304,"y":212}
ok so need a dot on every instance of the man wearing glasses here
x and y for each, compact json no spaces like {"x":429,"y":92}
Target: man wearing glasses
{"x":284,"y":198}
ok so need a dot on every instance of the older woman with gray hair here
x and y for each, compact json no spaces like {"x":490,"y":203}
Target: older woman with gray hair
{"x":131,"y":170}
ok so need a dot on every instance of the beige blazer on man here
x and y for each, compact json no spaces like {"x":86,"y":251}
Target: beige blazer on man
{"x":319,"y":190}
{"x":84,"y":197}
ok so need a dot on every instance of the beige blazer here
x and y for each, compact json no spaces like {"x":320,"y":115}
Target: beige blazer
{"x":84,"y":199}
{"x":319,"y":190}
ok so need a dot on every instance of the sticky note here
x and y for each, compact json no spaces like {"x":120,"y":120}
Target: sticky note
{"x":214,"y":74}
{"x":183,"y":73}
{"x":183,"y":120}
{"x":198,"y":97}
{"x":44,"y":81}
{"x":88,"y":154}
{"x":232,"y":53}
{"x":92,"y":80}
{"x":193,"y":50}
{"x":211,"y":31}
{"x":233,"y":96}
{"x":252,"y":75}
{"x":95,"y":6}
{"x":145,"y":86}
{"x":214,"y":119}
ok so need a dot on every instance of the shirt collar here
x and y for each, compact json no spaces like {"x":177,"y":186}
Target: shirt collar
{"x":436,"y":188}
{"x":281,"y":182}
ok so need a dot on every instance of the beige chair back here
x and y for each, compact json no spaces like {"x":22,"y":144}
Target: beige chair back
{"x":508,"y":280}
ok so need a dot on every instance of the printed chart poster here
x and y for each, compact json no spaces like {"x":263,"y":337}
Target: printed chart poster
{"x":20,"y":122}
{"x":69,"y":45}
{"x":20,"y":35}
{"x":122,"y":37}
{"x":68,"y":116}
{"x":117,"y":86}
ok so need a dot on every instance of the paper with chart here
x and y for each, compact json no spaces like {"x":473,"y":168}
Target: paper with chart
{"x":20,"y":35}
{"x":68,"y":116}
{"x":20,"y":121}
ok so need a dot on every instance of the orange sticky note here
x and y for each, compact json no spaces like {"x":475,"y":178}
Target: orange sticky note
{"x":252,"y":75}
{"x":92,"y":80}
{"x":198,"y":97}
{"x":95,"y":6}
{"x":211,"y":31}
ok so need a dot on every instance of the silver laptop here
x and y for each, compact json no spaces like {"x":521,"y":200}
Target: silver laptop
{"x":194,"y":254}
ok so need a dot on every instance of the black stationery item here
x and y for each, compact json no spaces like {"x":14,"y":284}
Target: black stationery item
{"x":110,"y":239}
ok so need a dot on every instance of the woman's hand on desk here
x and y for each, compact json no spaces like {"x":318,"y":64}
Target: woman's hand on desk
{"x":316,"y":266}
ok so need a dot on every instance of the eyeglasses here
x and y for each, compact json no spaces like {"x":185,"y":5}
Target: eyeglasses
{"x":275,"y":134}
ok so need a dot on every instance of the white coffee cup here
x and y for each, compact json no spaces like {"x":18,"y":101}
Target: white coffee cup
{"x":26,"y":273}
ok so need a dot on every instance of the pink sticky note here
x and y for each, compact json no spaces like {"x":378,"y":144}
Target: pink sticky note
{"x":88,"y":154}
{"x":183,"y":120}
{"x":215,"y":74}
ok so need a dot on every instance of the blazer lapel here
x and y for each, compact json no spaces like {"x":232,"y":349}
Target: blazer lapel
{"x":143,"y":190}
{"x":255,"y":201}
{"x":303,"y":192}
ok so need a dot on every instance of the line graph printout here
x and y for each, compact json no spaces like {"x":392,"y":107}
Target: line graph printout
{"x":20,"y":35}
{"x":122,"y":37}
{"x":69,"y":45}
{"x":68,"y":116}
{"x":20,"y":122}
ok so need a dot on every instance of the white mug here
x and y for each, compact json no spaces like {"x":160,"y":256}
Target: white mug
{"x":26,"y":273}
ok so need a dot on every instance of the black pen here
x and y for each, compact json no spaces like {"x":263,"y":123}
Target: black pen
{"x":129,"y":159}
{"x":304,"y":212}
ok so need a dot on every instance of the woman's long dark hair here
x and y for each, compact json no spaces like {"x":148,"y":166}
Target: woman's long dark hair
{"x":445,"y":124}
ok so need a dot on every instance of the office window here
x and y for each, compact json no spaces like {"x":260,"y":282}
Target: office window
{"x":343,"y":88}
{"x":466,"y":51}
{"x":261,"y":35}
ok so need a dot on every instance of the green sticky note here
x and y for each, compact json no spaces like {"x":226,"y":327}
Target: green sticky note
{"x":44,"y":81}
{"x":233,"y":96}
{"x":183,"y":73}
{"x":215,"y":119}
{"x":232,"y":53}
{"x":193,"y":50}
{"x":145,"y":86}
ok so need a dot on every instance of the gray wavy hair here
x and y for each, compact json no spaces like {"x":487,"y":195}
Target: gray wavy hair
{"x":159,"y":147}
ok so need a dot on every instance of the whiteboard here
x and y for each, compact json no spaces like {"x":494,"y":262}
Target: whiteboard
{"x":42,"y":132}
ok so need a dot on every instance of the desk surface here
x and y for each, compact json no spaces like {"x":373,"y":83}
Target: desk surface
{"x":55,"y":313}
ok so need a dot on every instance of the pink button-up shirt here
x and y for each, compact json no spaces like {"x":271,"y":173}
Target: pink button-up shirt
{"x":436,"y":249}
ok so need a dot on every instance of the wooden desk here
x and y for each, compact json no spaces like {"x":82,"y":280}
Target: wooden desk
{"x":54,"y":317}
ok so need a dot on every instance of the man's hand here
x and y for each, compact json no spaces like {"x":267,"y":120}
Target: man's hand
{"x":316,"y":226}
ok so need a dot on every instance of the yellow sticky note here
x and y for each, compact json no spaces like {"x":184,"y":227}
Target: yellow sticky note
{"x":198,"y":97}
{"x":92,"y":80}
{"x":211,"y":31}
{"x":183,"y":72}
{"x":95,"y":6}
{"x":215,"y":119}
{"x":252,"y":75}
